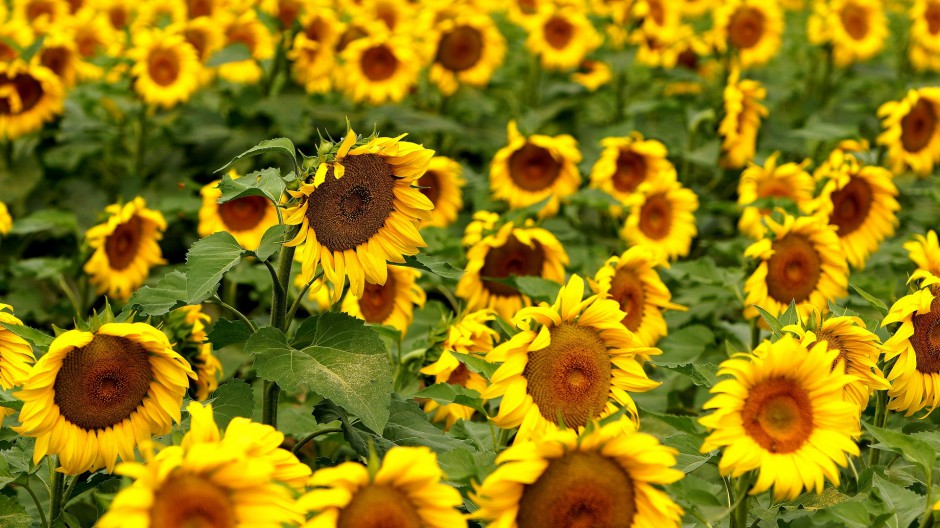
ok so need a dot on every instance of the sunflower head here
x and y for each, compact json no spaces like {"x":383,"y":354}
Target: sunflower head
{"x":627,"y":162}
{"x":16,"y":355}
{"x":912,"y":131}
{"x":855,"y":29}
{"x":166,"y":67}
{"x":246,"y":218}
{"x":741,"y":123}
{"x":561,"y":36}
{"x":662,"y":217}
{"x":776,"y":181}
{"x":924,"y":250}
{"x":469,"y":48}
{"x":781,"y":412}
{"x":30,"y":95}
{"x":186,"y":328}
{"x":752,"y":29}
{"x":390,"y":304}
{"x":592,"y":74}
{"x":380,"y":67}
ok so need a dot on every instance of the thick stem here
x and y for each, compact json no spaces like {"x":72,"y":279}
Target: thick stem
{"x":269,"y":399}
{"x":739,"y":515}
{"x":279,"y":320}
{"x":55,"y":495}
{"x":313,"y":435}
{"x":42,"y":514}
{"x":881,"y":417}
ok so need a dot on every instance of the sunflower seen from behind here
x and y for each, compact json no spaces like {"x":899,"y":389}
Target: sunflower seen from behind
{"x":469,"y":49}
{"x":246,"y":218}
{"x":626,"y":162}
{"x":924,"y":251}
{"x":97,"y":395}
{"x":406,"y":489}
{"x":774,"y":180}
{"x":743,"y":112}
{"x":166,"y":68}
{"x":508,"y":251}
{"x":534,"y":168}
{"x":360,"y":211}
{"x":607,"y":476}
{"x":390,"y":304}
{"x":662,"y":217}
{"x":800,"y":260}
{"x":911,"y":131}
{"x":443,"y":185}
{"x":781,"y":412}
{"x":561,"y":36}
{"x":125,"y":248}
{"x":750,"y":29}
{"x":571,"y":362}
{"x":30,"y":96}
{"x":855,"y":29}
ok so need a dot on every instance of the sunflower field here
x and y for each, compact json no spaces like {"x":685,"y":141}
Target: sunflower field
{"x":469,"y":263}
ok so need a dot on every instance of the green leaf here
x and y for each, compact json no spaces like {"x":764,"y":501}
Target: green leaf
{"x":281,"y":146}
{"x":359,"y":439}
{"x":903,"y":503}
{"x":771,"y":321}
{"x":408,"y":425}
{"x":41,"y":268}
{"x":166,"y":295}
{"x":445,"y":393}
{"x":872,"y":300}
{"x":266,"y":182}
{"x":271,"y":241}
{"x":435,"y":265}
{"x":207,"y":261}
{"x":12,"y":514}
{"x":537,"y":288}
{"x":57,"y":222}
{"x":6,"y":476}
{"x":345,"y":362}
{"x":913,"y":450}
{"x":232,"y":53}
{"x":478,"y":365}
{"x":225,"y":332}
{"x":38,"y":339}
{"x":232,"y":398}
{"x":702,"y":374}
{"x":685,"y":345}
{"x":689,"y":458}
{"x":30,"y":51}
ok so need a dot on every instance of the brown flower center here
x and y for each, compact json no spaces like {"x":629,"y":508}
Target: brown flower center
{"x":746,"y":27}
{"x":56,"y":59}
{"x":630,"y":171}
{"x":833,"y":342}
{"x":28,"y":89}
{"x":460,"y":49}
{"x":854,"y":19}
{"x":459,"y":376}
{"x":287,"y":11}
{"x":774,"y":188}
{"x":119,"y":15}
{"x":657,"y":12}
{"x":569,"y":379}
{"x":87,"y":43}
{"x":349,"y":211}
{"x":378,"y":63}
{"x":794,"y":269}
{"x":38,"y":8}
{"x":163,"y":66}
{"x":199,"y":40}
{"x":378,"y":506}
{"x":512,"y":258}
{"x":430,"y":186}
{"x":582,"y":489}
{"x":533,"y":168}
{"x":317,"y":29}
{"x":918,"y":126}
{"x":192,"y":501}
{"x":656,"y":217}
{"x":932,"y":16}
{"x":198,"y":8}
{"x":121,"y":246}
{"x":558,"y":32}
{"x":926,"y":339}
{"x":688,"y":59}
{"x":850,"y":206}
{"x":378,"y":301}
{"x":102,"y":383}
{"x":75,"y":5}
{"x":778,"y":415}
{"x":243,"y":214}
{"x":242,"y":34}
{"x":627,"y":289}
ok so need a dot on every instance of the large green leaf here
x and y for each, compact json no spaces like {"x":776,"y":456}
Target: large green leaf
{"x":225,"y":333}
{"x":271,"y":241}
{"x":685,"y":345}
{"x":345,"y":361}
{"x":206,"y":263}
{"x":166,"y":295}
{"x":435,"y":265}
{"x":38,"y":339}
{"x":282,"y":146}
{"x":266,"y":182}
{"x":12,"y":514}
{"x":232,"y":398}
{"x":913,"y":450}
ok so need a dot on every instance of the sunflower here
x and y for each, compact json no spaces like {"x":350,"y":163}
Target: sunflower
{"x":59,"y":54}
{"x":209,"y":482}
{"x":186,"y":326}
{"x":30,"y":95}
{"x":16,"y":356}
{"x":312,"y":51}
{"x":743,"y":113}
{"x":627,"y":162}
{"x":530,"y":169}
{"x":912,"y":131}
{"x":6,"y":221}
{"x":662,"y":217}
{"x":570,"y":363}
{"x":657,"y":19}
{"x":469,"y":48}
{"x":510,"y":251}
{"x":781,"y":412}
{"x":286,"y":12}
{"x":119,"y":14}
{"x":469,"y":335}
{"x":856,"y":29}
{"x":802,"y":262}
{"x":13,"y":32}
{"x":697,"y":8}
{"x":96,"y":395}
{"x":442,"y":184}
{"x":405,"y":490}
{"x":924,"y":49}
{"x":482,"y":224}
{"x":859,"y":351}
{"x":775,"y":180}
{"x":592,"y":74}
{"x":379,"y":68}
{"x":925,"y":252}
{"x":632,"y":281}
{"x":679,"y":47}
{"x":246,"y":218}
{"x":390,"y":304}
{"x":41,"y":15}
{"x":562,"y":36}
{"x":860,"y":201}
{"x":360,"y":211}
{"x":158,"y":14}
{"x":751,"y":28}
{"x":606,"y":476}
{"x":397,"y":16}
{"x":248,"y":30}
{"x":94,"y":37}
{"x":166,"y":68}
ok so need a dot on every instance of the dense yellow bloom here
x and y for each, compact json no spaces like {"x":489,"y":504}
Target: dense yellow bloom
{"x":571,"y":362}
{"x":670,"y":49}
{"x":312,"y":51}
{"x":657,"y":19}
{"x":856,"y":29}
{"x":360,"y":211}
{"x":752,"y":29}
{"x":96,"y":396}
{"x":924,"y":48}
{"x":166,"y":68}
{"x":206,"y":38}
{"x":781,"y":413}
{"x":246,"y":218}
{"x":801,"y":261}
{"x":379,"y":68}
{"x":562,"y":36}
{"x":779,"y":181}
{"x":606,"y":476}
{"x":41,"y":15}
{"x":592,"y":74}
{"x":912,"y":131}
{"x":248,"y":30}
{"x":187,"y":326}
{"x":59,"y":54}
{"x":627,"y":162}
{"x":631,"y":280}
{"x":390,"y":304}
{"x":16,"y":356}
{"x":925,"y":252}
{"x":662,"y":217}
{"x":30,"y":95}
{"x":530,"y":169}
{"x":469,"y":48}
{"x":743,"y":113}
{"x":407,"y":490}
{"x":511,"y":250}
{"x":443,"y":185}
{"x":125,"y":248}
{"x":94,"y":37}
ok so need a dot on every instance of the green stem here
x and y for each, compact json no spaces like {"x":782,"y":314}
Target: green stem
{"x":279,"y":320}
{"x":881,"y":417}
{"x":70,"y":294}
{"x":755,"y":334}
{"x":269,"y":398}
{"x":55,"y":496}
{"x":315,"y":434}
{"x":42,"y":514}
{"x":739,"y":515}
{"x":215,"y":300}
{"x":70,"y":488}
{"x":296,"y":304}
{"x":928,"y":511}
